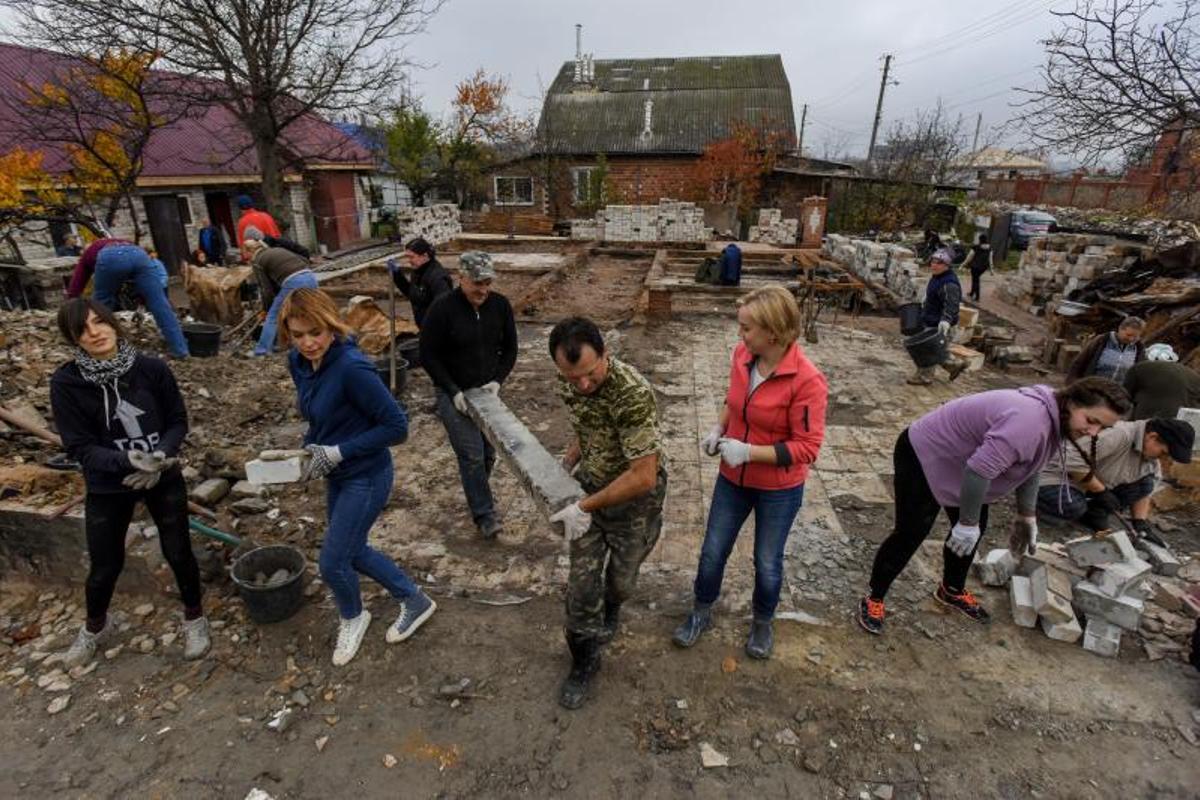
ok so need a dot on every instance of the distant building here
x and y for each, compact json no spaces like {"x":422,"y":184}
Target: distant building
{"x":993,"y":162}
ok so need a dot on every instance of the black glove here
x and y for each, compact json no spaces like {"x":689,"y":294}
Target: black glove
{"x":1142,"y":526}
{"x":1105,"y":500}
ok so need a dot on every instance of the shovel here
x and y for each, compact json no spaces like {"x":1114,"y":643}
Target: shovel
{"x":392,"y":326}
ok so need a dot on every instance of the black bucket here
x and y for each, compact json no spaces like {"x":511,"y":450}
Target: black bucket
{"x":275,"y":603}
{"x":382,"y":366}
{"x":910,"y":318}
{"x":203,"y":338}
{"x":927,"y":348}
{"x":410,"y":351}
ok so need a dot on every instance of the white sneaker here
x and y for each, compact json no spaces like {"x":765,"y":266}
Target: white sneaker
{"x":195,"y":638}
{"x":83,"y":649}
{"x":350,"y":636}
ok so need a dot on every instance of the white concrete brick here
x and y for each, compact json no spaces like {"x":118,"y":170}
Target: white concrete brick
{"x":288,"y":470}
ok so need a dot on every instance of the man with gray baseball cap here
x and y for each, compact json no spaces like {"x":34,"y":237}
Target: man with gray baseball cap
{"x":469,"y":340}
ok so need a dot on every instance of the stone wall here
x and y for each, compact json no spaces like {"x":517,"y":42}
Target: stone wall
{"x":772,"y":228}
{"x":438,"y":223}
{"x":669,"y":221}
{"x":1054,"y":266}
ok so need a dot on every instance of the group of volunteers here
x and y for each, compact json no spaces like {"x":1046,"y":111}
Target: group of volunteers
{"x":121,"y":415}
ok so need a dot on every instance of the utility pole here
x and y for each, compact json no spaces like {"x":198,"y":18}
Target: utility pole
{"x":975,"y":141}
{"x":887,"y":65}
{"x":800,"y":143}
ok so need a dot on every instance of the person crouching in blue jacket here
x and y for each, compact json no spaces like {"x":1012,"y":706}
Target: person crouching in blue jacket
{"x":352,"y":421}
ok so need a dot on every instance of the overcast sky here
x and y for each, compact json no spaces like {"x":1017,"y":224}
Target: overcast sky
{"x":969,"y":54}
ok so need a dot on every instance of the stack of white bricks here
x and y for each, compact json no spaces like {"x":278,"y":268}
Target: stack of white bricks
{"x":669,"y":221}
{"x":772,"y":228}
{"x":1056,"y":265}
{"x":437,"y":224}
{"x":892,"y":265}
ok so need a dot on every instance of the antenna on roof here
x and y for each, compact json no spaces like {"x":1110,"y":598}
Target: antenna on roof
{"x":578,"y":53}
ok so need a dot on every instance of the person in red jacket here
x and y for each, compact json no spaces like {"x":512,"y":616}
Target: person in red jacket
{"x":769,"y":432}
{"x":252,"y":216}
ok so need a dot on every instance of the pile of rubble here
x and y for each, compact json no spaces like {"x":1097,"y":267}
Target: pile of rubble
{"x":772,"y":228}
{"x":1114,"y":586}
{"x":1160,"y":233}
{"x":1056,"y":265}
{"x":669,"y":221}
{"x":438,"y":224}
{"x":893,"y":266}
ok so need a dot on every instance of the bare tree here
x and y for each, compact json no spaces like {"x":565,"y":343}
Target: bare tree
{"x":1116,"y":75}
{"x":272,"y":63}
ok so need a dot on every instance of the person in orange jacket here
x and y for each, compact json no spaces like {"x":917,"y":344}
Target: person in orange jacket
{"x":769,"y":432}
{"x":257,"y":218}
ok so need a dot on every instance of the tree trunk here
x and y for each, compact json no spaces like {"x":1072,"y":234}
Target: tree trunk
{"x":271,"y":166}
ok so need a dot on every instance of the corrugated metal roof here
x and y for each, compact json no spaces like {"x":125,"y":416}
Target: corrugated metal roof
{"x":695,"y":101}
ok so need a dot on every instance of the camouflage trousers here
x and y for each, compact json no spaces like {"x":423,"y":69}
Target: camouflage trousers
{"x":605,"y":560}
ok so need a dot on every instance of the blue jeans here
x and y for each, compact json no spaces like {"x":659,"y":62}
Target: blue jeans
{"x":119,"y":263}
{"x":476,"y":457}
{"x":774,"y":511}
{"x":1075,"y":502}
{"x":304,"y":279}
{"x":353,"y":506}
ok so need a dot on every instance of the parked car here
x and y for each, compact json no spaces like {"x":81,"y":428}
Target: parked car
{"x":1024,"y":225}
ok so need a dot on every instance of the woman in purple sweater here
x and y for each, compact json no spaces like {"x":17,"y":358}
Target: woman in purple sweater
{"x":971,"y":452}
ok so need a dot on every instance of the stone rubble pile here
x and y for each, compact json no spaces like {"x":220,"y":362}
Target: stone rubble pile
{"x":1054,"y":266}
{"x":894,"y":266}
{"x":1161,"y":233}
{"x":437,"y":224}
{"x":1109,"y":584}
{"x":669,"y":221}
{"x":772,"y":228}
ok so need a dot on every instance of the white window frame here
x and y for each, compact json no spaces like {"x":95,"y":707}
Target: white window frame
{"x":187,"y":200}
{"x":582,"y":178}
{"x":496,"y":190}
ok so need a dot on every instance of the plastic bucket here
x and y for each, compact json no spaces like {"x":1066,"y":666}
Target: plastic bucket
{"x":410,"y":351}
{"x":927,"y":348}
{"x":277,"y":602}
{"x":203,"y":338}
{"x":382,"y":366}
{"x":910,"y":318}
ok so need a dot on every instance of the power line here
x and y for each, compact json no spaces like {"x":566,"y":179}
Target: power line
{"x":978,"y":36}
{"x":1001,"y":17}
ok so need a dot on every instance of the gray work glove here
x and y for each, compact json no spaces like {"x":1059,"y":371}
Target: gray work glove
{"x":141,"y":481}
{"x":322,"y":460}
{"x":733,"y":451}
{"x":944,"y":328}
{"x":150,"y":462}
{"x":575,"y":521}
{"x":711,"y":442}
{"x":460,"y":403}
{"x":1024,"y":536}
{"x":963,"y":539}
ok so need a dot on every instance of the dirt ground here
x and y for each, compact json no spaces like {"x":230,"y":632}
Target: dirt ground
{"x":938,"y":707}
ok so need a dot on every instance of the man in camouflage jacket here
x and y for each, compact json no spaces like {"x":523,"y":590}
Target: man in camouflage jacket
{"x":621,"y":468}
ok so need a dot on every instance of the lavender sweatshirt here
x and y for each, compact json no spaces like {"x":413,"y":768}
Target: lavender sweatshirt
{"x":1006,"y":436}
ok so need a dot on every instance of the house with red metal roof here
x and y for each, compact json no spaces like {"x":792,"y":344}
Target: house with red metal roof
{"x":198,"y":164}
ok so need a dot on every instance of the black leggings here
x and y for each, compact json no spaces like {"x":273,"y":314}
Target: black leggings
{"x":916,"y":511}
{"x":107,"y":518}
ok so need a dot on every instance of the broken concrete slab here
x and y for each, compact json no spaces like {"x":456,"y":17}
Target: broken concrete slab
{"x":1117,"y":579}
{"x":1168,"y":594}
{"x":1162,"y":560}
{"x":1051,"y":607}
{"x":210,"y":492}
{"x":995,"y":568}
{"x":541,"y":473}
{"x":1123,"y":611}
{"x":1062,"y":631}
{"x":1059,"y":582}
{"x":1052,"y":556}
{"x":1102,"y":638}
{"x":1101,"y":549}
{"x":1020,"y":593}
{"x":248,"y":489}
{"x":288,"y":470}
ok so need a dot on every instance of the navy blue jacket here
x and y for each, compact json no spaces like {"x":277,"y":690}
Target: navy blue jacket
{"x":346,"y":404}
{"x":942,"y":298}
{"x":731,"y":265}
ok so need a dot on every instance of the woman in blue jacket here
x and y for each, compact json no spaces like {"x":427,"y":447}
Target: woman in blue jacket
{"x":353,"y":420}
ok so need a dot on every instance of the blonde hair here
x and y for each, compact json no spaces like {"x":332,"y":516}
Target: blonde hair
{"x":775,"y":309}
{"x":252,"y":246}
{"x":314,"y":306}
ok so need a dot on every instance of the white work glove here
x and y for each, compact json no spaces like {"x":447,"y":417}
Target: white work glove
{"x":322,"y":460}
{"x":575,"y":521}
{"x":460,"y":403}
{"x":150,"y":462}
{"x":141,"y":481}
{"x":963,"y":539}
{"x":491,"y":386}
{"x":1024,"y":536}
{"x":393,"y":266}
{"x":712,"y":440}
{"x":944,"y":328}
{"x":733,"y":452}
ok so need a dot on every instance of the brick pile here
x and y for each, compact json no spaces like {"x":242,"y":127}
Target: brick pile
{"x":891,"y":265}
{"x":669,"y":221}
{"x":772,"y":228}
{"x":1056,"y":265}
{"x":1097,"y":589}
{"x":437,"y":223}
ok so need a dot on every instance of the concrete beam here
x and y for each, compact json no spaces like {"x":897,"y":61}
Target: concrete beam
{"x":541,"y":473}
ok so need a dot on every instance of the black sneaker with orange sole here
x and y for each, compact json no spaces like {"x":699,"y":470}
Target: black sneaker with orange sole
{"x":870,"y":615}
{"x":964,"y":601}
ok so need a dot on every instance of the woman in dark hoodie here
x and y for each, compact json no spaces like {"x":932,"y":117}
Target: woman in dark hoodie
{"x":353,"y":420}
{"x":429,"y":279}
{"x":121,"y":416}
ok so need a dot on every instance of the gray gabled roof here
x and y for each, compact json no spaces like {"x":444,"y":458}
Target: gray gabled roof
{"x":696,"y":101}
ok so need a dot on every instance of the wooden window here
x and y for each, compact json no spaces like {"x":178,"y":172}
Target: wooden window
{"x":582,"y":176}
{"x":513,"y":191}
{"x":185,"y":209}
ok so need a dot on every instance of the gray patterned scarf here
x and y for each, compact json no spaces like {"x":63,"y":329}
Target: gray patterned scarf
{"x":103,"y":371}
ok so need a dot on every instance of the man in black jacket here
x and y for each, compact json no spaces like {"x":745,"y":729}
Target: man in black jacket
{"x":429,"y":280}
{"x":469,"y":340}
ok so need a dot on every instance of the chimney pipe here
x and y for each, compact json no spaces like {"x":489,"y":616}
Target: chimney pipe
{"x":579,"y":73}
{"x":649,"y":117}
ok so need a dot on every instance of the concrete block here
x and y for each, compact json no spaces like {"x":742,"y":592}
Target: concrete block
{"x":541,"y":473}
{"x":248,"y":489}
{"x":1162,"y":560}
{"x":1051,"y":556}
{"x":1102,"y":550}
{"x":210,"y":491}
{"x":288,"y":470}
{"x":974,"y":358}
{"x":1168,"y":595}
{"x":1123,"y":611}
{"x":1116,"y":579}
{"x":1068,"y":631}
{"x":968,"y":317}
{"x":1102,"y":638}
{"x":1050,"y":606}
{"x":1020,"y":595}
{"x":996,"y":567}
{"x":1059,"y":582}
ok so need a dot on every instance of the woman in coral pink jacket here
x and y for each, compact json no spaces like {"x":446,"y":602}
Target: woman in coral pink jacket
{"x":769,"y":432}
